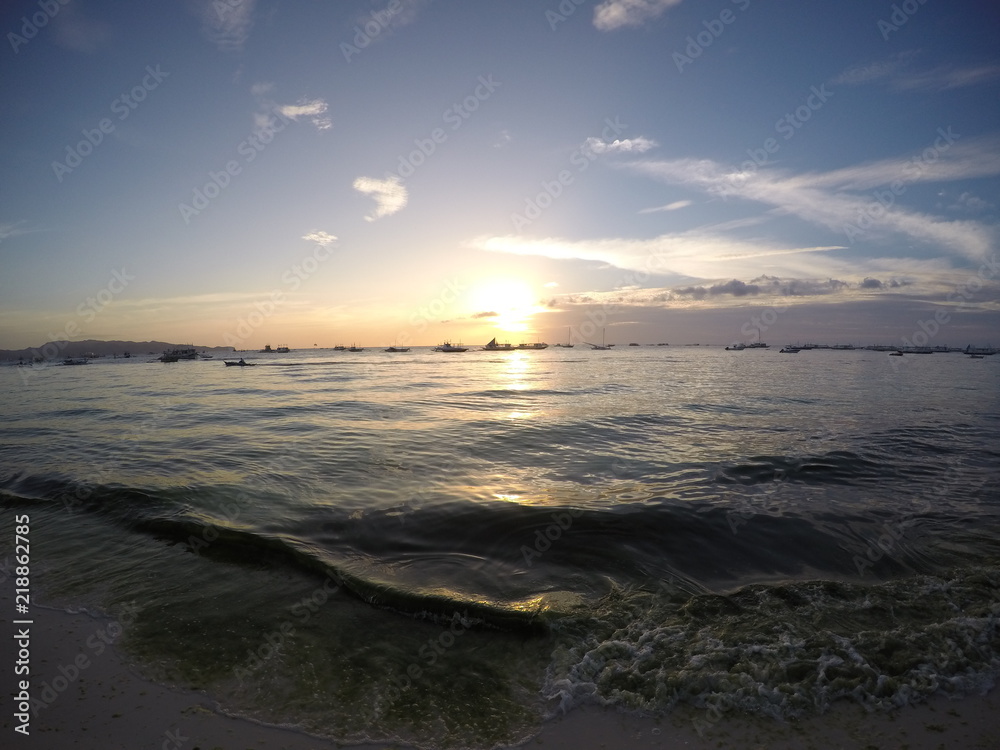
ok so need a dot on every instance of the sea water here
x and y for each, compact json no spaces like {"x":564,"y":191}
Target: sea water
{"x":446,"y":549}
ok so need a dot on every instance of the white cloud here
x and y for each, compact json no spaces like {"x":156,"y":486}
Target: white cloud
{"x":390,"y":195}
{"x":948,"y":77}
{"x":320,"y":238}
{"x":8,"y":230}
{"x":614,"y":14}
{"x":836,"y":199}
{"x":897,"y":72}
{"x":623,"y":146}
{"x":698,"y":254}
{"x":308,"y":108}
{"x":227,"y":23}
{"x":675,"y":206}
{"x":311,"y":108}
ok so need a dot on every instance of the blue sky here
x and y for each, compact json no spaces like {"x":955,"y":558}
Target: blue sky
{"x":242,"y":172}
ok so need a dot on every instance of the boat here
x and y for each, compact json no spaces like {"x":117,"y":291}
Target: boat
{"x":736,"y":348}
{"x":603,"y":347}
{"x":447,"y":346}
{"x":267,"y":349}
{"x":569,"y":338}
{"x":789,"y":350}
{"x":633,"y":344}
{"x":536,"y":345}
{"x":493,"y":346}
{"x":896,"y":353}
{"x":176,"y":354}
{"x":340,"y":348}
{"x":356,"y":348}
{"x":282,"y":350}
{"x":397,"y":349}
{"x":203,"y":356}
{"x":70,"y":361}
{"x":241,"y":363}
{"x":975,"y":356}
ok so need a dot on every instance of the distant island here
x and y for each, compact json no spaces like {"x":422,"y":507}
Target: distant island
{"x":53,"y":350}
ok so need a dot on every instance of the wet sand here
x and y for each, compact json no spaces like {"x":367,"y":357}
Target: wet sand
{"x":105,"y":704}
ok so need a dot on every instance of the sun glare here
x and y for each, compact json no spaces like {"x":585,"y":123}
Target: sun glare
{"x":507,"y":303}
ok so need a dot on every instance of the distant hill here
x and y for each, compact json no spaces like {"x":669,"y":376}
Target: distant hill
{"x":62,"y":349}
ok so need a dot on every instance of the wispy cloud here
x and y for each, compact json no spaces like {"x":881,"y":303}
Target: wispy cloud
{"x":948,"y":77}
{"x":227,"y":23}
{"x":899,"y":73}
{"x":12,"y":229}
{"x":837,"y":198}
{"x":675,"y":206}
{"x":312,"y":109}
{"x":390,"y":195}
{"x":624,"y":146}
{"x":615,"y":14}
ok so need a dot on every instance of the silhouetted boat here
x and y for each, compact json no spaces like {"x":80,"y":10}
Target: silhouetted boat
{"x":447,"y":346}
{"x":493,"y":346}
{"x":241,"y":363}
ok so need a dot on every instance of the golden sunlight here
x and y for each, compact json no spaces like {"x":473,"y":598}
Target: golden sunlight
{"x":511,"y":302}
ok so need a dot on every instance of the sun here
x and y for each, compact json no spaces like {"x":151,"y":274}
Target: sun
{"x":507,"y":303}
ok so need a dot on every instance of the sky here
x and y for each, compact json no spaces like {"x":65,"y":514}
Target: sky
{"x":308,"y":173}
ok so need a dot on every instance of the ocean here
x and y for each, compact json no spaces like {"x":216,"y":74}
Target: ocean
{"x":448,"y":549}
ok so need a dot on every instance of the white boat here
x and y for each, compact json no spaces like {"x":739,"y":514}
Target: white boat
{"x":447,"y":346}
{"x":493,"y":346}
{"x":536,"y":345}
{"x":603,"y":347}
{"x":282,"y":350}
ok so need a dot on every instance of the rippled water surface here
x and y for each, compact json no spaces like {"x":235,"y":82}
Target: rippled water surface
{"x":446,"y":548}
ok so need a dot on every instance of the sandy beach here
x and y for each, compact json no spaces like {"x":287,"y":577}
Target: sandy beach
{"x":104,"y":703}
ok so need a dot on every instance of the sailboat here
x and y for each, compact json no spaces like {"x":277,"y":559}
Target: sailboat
{"x":568,"y":344}
{"x":602,"y":347}
{"x":493,"y":346}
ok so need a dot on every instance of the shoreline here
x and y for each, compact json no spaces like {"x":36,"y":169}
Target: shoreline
{"x":102,"y":702}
